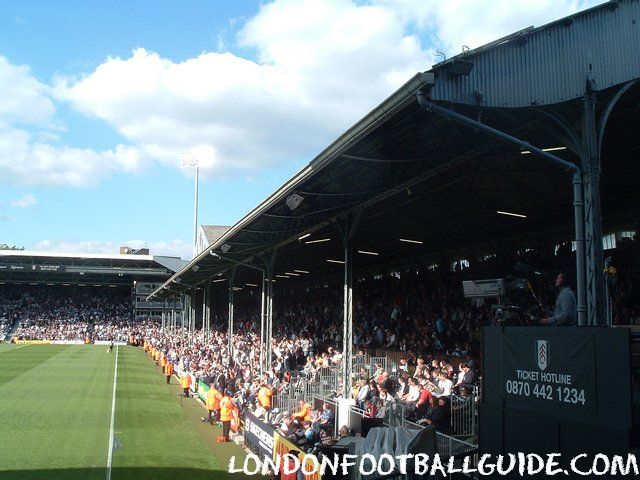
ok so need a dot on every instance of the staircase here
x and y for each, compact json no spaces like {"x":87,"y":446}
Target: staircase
{"x":12,"y":331}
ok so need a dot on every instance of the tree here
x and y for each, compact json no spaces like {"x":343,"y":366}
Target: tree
{"x":6,"y":246}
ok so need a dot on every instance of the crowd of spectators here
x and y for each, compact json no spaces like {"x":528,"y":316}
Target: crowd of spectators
{"x":420,"y":312}
{"x":5,"y":327}
{"x":66,"y":313}
{"x":623,"y":281}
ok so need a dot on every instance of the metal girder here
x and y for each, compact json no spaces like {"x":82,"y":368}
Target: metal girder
{"x":266,"y":335}
{"x":592,"y":213}
{"x":577,"y":179}
{"x":391,"y":160}
{"x":231,"y":278}
{"x":339,"y":194}
{"x":306,"y":215}
{"x":206,"y":313}
{"x":347,"y":229}
{"x":263,"y":307}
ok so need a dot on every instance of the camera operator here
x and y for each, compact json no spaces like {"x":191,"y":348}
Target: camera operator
{"x":564,"y":313}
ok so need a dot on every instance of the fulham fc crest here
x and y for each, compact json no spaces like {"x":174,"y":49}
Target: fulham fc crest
{"x":542,"y":354}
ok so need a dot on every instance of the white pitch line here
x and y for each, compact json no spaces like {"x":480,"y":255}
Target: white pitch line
{"x":113,"y":419}
{"x":12,"y":349}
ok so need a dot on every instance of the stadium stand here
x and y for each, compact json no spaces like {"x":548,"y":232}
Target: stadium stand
{"x":417,"y":336}
{"x":65,"y":313}
{"x":430,"y":371}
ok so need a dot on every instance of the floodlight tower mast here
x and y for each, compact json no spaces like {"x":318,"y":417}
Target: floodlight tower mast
{"x":187,"y":160}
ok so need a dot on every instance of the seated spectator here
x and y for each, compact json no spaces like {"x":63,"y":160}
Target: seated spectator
{"x":445,"y":385}
{"x":363,"y":394}
{"x":385,"y":396}
{"x":441,"y":417}
{"x":369,"y":409}
{"x":326,"y":418}
{"x":304,"y":414}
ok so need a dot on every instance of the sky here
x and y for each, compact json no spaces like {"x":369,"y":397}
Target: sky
{"x":100,"y":101}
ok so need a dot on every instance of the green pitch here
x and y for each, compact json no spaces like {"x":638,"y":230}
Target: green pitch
{"x":55,"y":419}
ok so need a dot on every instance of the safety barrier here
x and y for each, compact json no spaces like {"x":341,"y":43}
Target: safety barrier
{"x":328,"y":379}
{"x":360,"y":362}
{"x":464,"y":415}
{"x":333,"y":406}
{"x":378,"y":365}
{"x":394,"y":414}
{"x":449,"y":446}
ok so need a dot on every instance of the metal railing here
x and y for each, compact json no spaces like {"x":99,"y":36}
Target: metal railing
{"x":376,"y":364}
{"x":464,"y":416}
{"x":361,"y":362}
{"x":325,"y":382}
{"x":333,"y":405}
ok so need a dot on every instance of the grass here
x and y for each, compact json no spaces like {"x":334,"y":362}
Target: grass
{"x":55,"y":413}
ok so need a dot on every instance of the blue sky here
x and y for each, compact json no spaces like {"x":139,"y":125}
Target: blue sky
{"x":102,"y":100}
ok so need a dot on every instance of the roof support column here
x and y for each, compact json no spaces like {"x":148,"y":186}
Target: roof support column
{"x":206,"y":313}
{"x":183,"y":309}
{"x":263,"y":299}
{"x":163,"y":318}
{"x":266,"y":330}
{"x":592,"y":213}
{"x":347,"y":229}
{"x":268,"y":334}
{"x":192,"y":318}
{"x":187,"y":318}
{"x":231,"y":278}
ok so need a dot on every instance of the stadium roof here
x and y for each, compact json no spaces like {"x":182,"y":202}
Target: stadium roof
{"x":213,"y":232}
{"x":23,"y":266}
{"x":102,"y":256}
{"x":409,"y":175}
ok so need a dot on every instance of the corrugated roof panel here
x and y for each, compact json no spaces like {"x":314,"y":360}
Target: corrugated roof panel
{"x":551,"y":64}
{"x":214,"y":232}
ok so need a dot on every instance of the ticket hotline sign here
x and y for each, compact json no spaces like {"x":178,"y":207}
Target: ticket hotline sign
{"x":551,"y":369}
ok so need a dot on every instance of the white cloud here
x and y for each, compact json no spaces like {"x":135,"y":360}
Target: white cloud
{"x":174,"y":247}
{"x":315,"y":75}
{"x":26,"y":201}
{"x":319,"y":66}
{"x":25,"y":99}
{"x":30,"y":148}
{"x":458,"y":23}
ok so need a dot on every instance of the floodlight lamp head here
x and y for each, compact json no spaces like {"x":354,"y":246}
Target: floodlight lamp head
{"x":188,"y":160}
{"x":225,"y":248}
{"x":293,"y":201}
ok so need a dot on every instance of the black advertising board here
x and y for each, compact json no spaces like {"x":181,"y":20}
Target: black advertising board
{"x":555,"y":371}
{"x":576,"y":374}
{"x":258,"y":435}
{"x":23,"y":267}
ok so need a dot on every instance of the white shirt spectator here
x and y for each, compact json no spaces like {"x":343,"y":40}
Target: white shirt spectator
{"x":414,"y":393}
{"x":445,"y":385}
